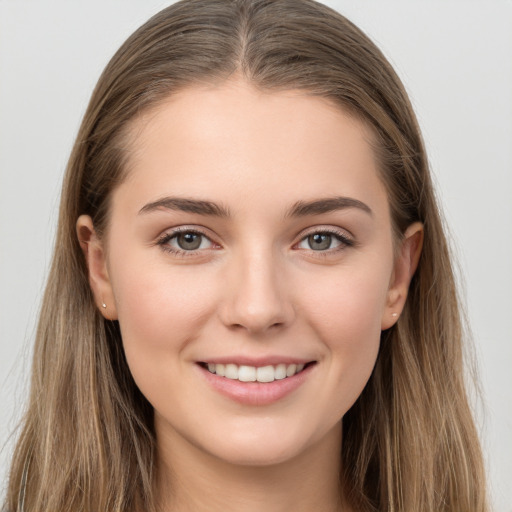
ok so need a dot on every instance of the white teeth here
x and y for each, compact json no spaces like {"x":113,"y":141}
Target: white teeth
{"x":231,"y":371}
{"x":291,"y":369}
{"x":245,"y":373}
{"x":280,"y":372}
{"x":265,"y":374}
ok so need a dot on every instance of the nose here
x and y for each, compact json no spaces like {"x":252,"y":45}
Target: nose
{"x":258,"y":299}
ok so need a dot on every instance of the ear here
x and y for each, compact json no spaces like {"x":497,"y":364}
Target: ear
{"x":406,"y":263}
{"x":95,"y":258}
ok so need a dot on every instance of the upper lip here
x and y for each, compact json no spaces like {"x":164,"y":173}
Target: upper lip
{"x":256,"y":361}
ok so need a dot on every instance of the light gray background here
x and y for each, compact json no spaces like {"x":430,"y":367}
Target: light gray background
{"x":455,"y":58}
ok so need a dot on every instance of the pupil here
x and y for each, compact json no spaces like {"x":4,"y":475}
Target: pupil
{"x":189,"y":241}
{"x":318,"y":241}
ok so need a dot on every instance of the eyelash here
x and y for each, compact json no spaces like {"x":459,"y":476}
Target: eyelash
{"x":340,"y":236}
{"x":164,"y":240}
{"x":344,"y":240}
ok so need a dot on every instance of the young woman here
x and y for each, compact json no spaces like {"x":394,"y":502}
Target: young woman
{"x":251,"y":304}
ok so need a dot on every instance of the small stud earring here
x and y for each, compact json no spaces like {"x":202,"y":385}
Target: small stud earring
{"x":394,"y":315}
{"x":104,"y":306}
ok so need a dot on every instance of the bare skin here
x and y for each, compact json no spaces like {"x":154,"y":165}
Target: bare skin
{"x":252,"y":230}
{"x":308,"y":482}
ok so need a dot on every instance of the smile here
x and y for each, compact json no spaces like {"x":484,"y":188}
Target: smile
{"x":244,"y":373}
{"x":256,"y":385}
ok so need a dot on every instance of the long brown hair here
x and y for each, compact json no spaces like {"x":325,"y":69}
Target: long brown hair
{"x":87,"y":442}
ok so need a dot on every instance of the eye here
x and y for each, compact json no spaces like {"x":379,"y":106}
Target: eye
{"x":185,"y":241}
{"x":189,"y":241}
{"x":325,"y":241}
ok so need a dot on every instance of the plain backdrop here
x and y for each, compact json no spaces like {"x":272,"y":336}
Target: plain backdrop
{"x":455,"y":58}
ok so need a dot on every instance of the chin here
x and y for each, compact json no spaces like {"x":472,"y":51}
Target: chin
{"x":258,"y":454}
{"x":265,"y":447}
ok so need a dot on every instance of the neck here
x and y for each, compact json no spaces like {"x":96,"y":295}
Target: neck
{"x":192,"y":480}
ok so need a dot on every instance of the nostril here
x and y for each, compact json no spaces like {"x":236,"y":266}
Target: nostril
{"x":254,"y":327}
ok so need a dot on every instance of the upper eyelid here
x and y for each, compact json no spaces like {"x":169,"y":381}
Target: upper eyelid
{"x":171,"y":232}
{"x":327,"y":229}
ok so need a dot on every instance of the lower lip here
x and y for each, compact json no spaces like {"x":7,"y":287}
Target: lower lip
{"x":256,"y":393}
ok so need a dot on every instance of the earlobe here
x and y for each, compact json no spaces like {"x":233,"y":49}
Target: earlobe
{"x":406,"y":264}
{"x":95,"y":259}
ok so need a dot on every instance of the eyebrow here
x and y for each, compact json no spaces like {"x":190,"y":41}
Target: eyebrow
{"x":198,"y":206}
{"x":299,"y":209}
{"x":319,"y":206}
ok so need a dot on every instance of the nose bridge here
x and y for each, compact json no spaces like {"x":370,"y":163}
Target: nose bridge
{"x":258,"y":299}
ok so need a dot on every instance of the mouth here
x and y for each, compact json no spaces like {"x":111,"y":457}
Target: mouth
{"x":263,"y":374}
{"x":258,"y":384}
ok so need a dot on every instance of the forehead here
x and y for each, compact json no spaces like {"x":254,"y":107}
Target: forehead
{"x":234,"y":141}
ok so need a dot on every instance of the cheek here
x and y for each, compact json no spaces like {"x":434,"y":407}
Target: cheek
{"x":347,"y":306}
{"x":346,"y":315}
{"x":160,"y":310}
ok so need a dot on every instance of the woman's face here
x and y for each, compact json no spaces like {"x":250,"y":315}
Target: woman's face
{"x":251,"y":240}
